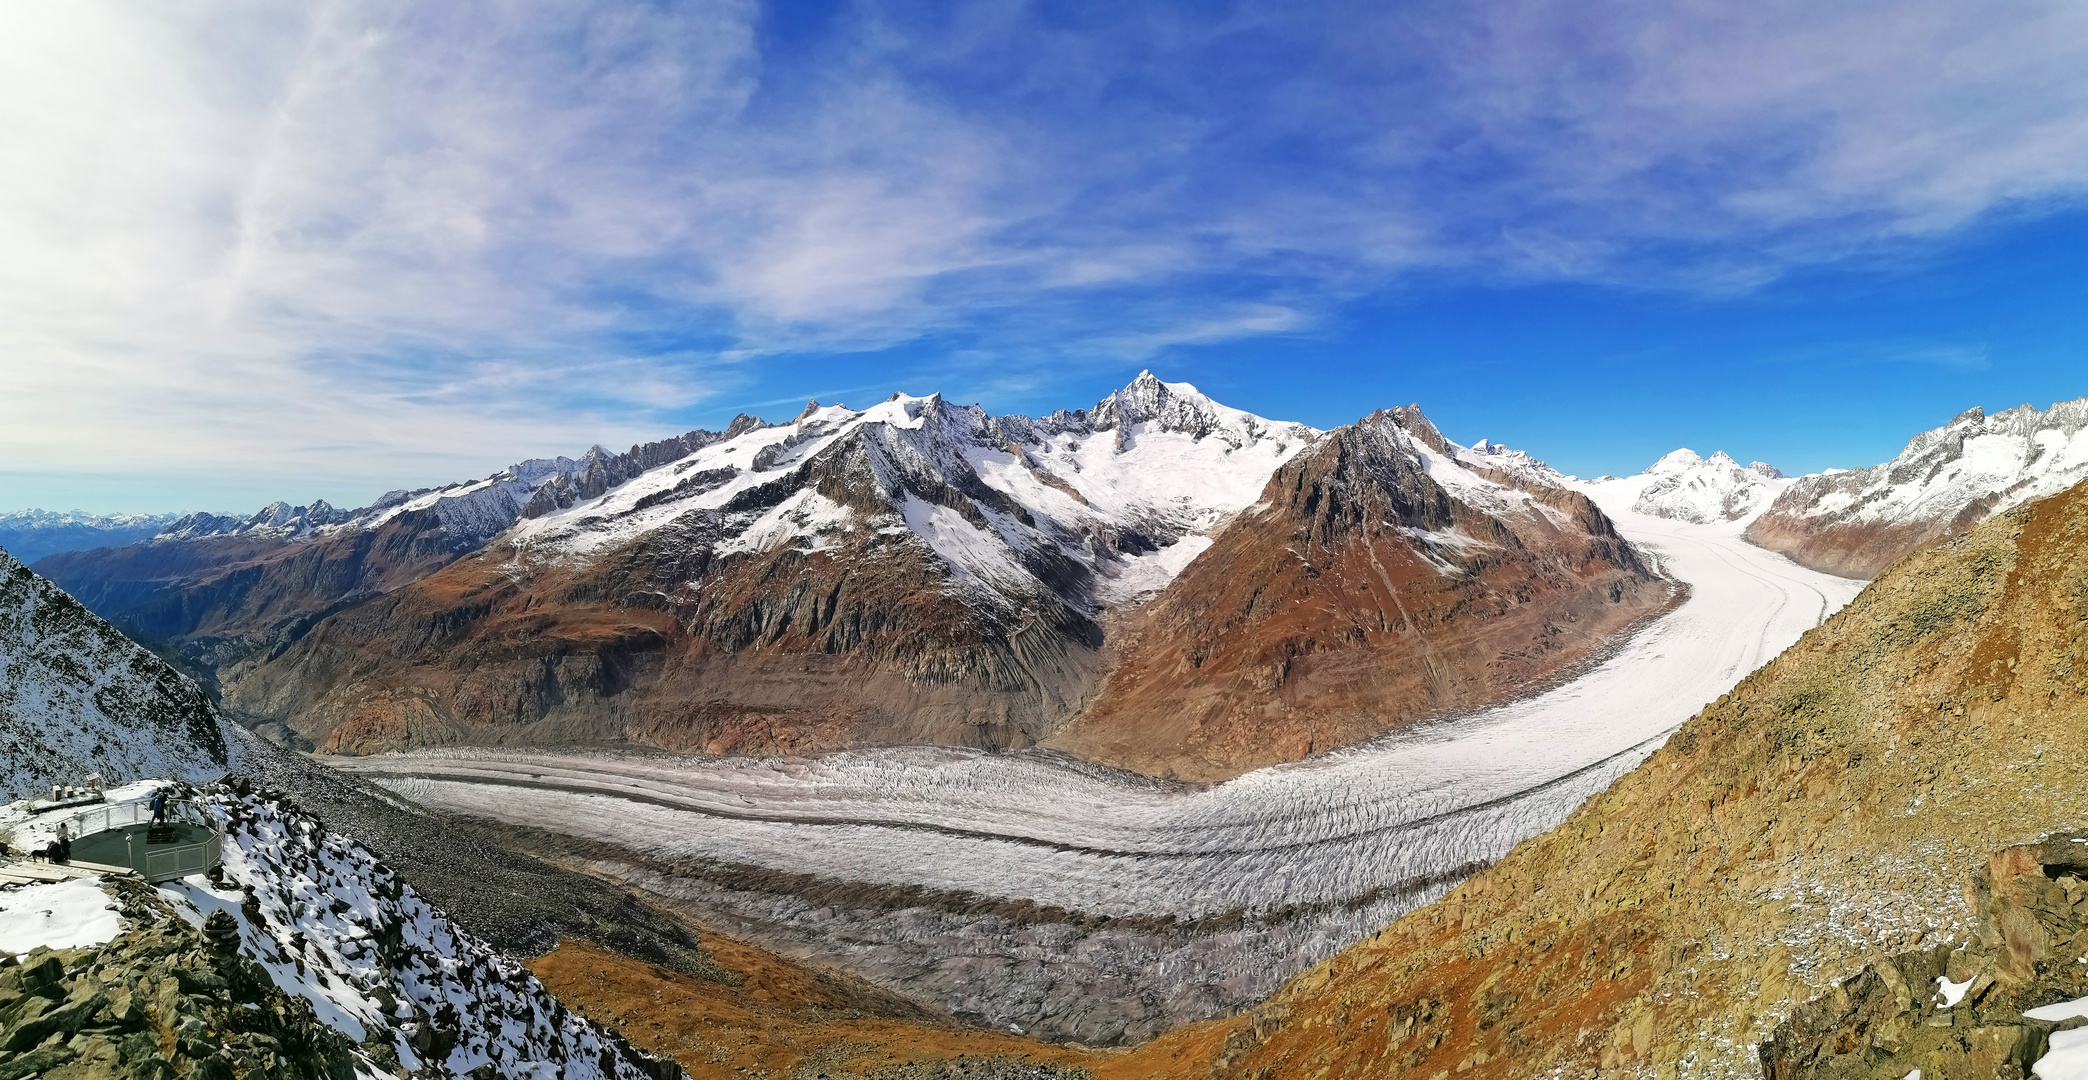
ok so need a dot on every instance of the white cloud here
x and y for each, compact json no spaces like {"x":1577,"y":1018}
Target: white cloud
{"x":392,"y":242}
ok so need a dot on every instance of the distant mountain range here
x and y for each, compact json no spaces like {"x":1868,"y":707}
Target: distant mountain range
{"x":30,"y":535}
{"x":919,"y":571}
{"x":912,"y":572}
{"x":1856,"y":523}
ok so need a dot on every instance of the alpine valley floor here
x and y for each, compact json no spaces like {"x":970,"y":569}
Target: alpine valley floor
{"x":1035,"y":892}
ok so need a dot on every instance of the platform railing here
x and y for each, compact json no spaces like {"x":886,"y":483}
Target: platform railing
{"x":158,"y":865}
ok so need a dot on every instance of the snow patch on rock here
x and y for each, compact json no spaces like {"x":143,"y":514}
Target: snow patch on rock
{"x":334,"y":926}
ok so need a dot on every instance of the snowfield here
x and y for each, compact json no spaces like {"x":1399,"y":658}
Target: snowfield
{"x":1313,"y":856}
{"x":62,"y":915}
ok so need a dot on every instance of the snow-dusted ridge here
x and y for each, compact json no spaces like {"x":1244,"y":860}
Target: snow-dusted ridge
{"x":1009,"y":503}
{"x":77,"y":697}
{"x":329,"y":923}
{"x":1684,"y":486}
{"x":1976,"y":461}
{"x":333,"y":925}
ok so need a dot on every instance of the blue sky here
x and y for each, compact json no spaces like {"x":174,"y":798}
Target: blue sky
{"x":260,"y":250}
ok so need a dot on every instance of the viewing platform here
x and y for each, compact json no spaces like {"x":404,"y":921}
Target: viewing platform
{"x":113,"y":833}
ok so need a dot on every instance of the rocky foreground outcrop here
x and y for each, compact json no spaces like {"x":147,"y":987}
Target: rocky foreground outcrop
{"x":1958,"y":1011}
{"x":164,"y":999}
{"x":1829,"y":812}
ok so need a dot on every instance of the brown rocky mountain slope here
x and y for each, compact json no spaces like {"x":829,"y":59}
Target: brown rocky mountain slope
{"x":1374,"y":584}
{"x":775,"y":1017}
{"x":1832,"y":809}
{"x":911,"y":572}
{"x":916,"y":572}
{"x":787,"y":650}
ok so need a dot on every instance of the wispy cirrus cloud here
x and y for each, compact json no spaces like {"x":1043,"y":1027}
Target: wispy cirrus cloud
{"x":237,"y":237}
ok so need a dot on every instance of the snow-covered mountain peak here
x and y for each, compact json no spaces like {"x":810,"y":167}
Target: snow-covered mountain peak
{"x":1089,"y":505}
{"x":1677,"y":461}
{"x":1686,"y":486}
{"x":903,"y":411}
{"x":1520,"y":464}
{"x":1947,"y":479}
{"x":1391,"y":444}
{"x":1182,"y":408}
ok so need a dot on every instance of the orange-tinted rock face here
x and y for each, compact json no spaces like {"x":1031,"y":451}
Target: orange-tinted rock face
{"x":1842,"y":804}
{"x":914,"y":573}
{"x":1359,"y":596}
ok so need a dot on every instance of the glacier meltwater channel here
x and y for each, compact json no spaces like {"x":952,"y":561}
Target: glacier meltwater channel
{"x":1236,"y":886}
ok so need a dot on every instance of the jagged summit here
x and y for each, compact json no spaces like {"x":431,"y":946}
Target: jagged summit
{"x":1856,"y":522}
{"x":1041,"y":504}
{"x":1519,"y":464}
{"x":1686,"y":486}
{"x":1183,"y":409}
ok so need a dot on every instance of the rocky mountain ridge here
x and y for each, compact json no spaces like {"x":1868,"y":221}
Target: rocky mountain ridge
{"x":911,"y":572}
{"x":1948,"y":479}
{"x":1831,"y":811}
{"x":776,"y":578}
{"x":1385,"y":576}
{"x":79,"y":698}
